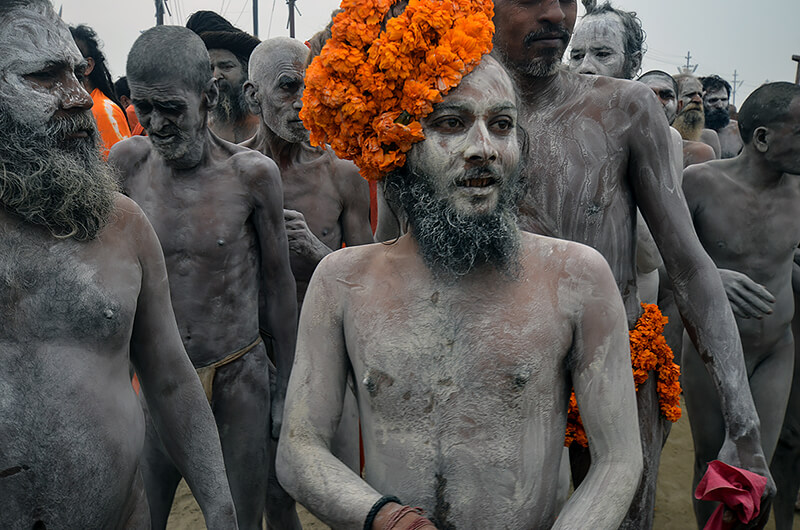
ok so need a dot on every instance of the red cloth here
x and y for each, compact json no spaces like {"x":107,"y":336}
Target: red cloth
{"x":738,"y":489}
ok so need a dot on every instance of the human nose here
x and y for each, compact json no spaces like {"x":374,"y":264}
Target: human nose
{"x":552,"y":12}
{"x":74,"y":96}
{"x":696,"y":98}
{"x":155,"y":121}
{"x":587,"y":66}
{"x":297,"y":104}
{"x":217,"y":73}
{"x":480,"y":147}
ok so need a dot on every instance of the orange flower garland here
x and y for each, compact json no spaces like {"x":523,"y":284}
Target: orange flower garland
{"x":649,"y":351}
{"x":367,"y":90}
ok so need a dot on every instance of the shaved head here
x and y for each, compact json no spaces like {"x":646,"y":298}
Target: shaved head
{"x":171,"y":53}
{"x":271,"y":51}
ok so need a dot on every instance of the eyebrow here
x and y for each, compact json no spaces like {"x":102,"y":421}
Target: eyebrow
{"x":462,"y":107}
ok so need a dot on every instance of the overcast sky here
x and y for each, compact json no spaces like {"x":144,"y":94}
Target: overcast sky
{"x":756,"y":39}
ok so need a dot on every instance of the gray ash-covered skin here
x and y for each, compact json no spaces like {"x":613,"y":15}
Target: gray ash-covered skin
{"x":745,"y":213}
{"x":597,"y":153}
{"x":326,"y":205}
{"x":690,"y":120}
{"x":716,"y":94}
{"x":83,"y":292}
{"x":463,"y":360}
{"x":217,"y":209}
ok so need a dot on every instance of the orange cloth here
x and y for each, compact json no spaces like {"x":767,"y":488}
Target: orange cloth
{"x":110,"y":119}
{"x":133,"y":121}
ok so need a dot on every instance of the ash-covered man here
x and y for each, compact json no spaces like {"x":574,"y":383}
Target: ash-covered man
{"x":597,"y":154}
{"x":745,"y":213}
{"x":326,"y":204}
{"x":691,"y":119}
{"x":229,"y":49}
{"x":464,"y":336}
{"x":716,"y":93}
{"x":217,"y":208}
{"x":83,"y":290}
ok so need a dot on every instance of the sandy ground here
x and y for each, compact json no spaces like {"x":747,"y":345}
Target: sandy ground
{"x":673,"y":501}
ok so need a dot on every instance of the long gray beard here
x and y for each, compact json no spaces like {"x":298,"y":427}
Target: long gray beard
{"x":453,"y":244}
{"x":52,"y":181}
{"x":690,"y":123}
{"x":231,"y":106}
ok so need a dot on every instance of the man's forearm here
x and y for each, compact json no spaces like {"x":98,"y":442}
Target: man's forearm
{"x":281,"y":321}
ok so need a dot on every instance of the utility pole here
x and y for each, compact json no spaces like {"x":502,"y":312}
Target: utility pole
{"x":255,"y":18}
{"x":736,"y":84}
{"x":292,"y":8}
{"x":688,"y":68}
{"x":159,"y":12}
{"x":796,"y":58}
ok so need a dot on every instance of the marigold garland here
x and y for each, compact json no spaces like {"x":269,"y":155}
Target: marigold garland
{"x":369,"y":88}
{"x":649,"y":351}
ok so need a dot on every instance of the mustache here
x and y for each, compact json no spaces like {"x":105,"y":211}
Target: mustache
{"x":548,"y":31}
{"x":692,"y":106}
{"x":61,"y":128}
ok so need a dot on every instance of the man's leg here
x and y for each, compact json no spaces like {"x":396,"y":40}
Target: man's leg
{"x":159,"y":474}
{"x":705,"y":419}
{"x":280,"y":510}
{"x":241,"y":405}
{"x":136,"y":515}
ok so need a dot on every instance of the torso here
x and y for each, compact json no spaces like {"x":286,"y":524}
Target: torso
{"x":754,"y":232}
{"x":578,"y":187}
{"x":71,"y":427}
{"x":729,"y":139}
{"x":203,"y":219}
{"x":463,"y":390}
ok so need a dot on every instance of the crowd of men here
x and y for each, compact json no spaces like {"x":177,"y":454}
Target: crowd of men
{"x":178,"y":302}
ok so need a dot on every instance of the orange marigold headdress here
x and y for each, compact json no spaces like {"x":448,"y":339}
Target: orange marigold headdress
{"x":369,"y":88}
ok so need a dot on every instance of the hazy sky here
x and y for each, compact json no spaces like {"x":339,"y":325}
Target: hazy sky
{"x":757,"y":39}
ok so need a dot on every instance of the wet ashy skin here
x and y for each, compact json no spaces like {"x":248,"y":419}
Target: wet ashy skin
{"x":597,"y":153}
{"x":744,"y":211}
{"x":445,"y":428}
{"x":729,"y":137}
{"x":230,"y":76}
{"x":325,"y":200}
{"x":665,"y":92}
{"x":217,"y":210}
{"x":597,"y":47}
{"x":75,"y":315}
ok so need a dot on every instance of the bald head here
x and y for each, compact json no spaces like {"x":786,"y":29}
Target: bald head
{"x":169,"y":54}
{"x":275,"y":88}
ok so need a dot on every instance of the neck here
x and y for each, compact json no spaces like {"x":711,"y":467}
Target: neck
{"x":755,"y":171}
{"x":270,"y":144}
{"x":535,"y":90}
{"x":196,"y":158}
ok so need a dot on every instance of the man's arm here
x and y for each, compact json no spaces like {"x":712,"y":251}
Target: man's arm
{"x":170,"y":385}
{"x":601,"y":375}
{"x":305,"y":466}
{"x":354,"y":193}
{"x":279,"y":315}
{"x":711,"y":138}
{"x":698,"y":288}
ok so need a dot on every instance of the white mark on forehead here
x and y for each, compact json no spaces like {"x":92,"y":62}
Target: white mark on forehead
{"x":487,"y":84}
{"x":607,"y":27}
{"x":32,"y":39}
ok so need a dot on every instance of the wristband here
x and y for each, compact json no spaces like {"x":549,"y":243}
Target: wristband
{"x":383,"y":501}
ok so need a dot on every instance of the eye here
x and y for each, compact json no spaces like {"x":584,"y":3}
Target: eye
{"x":503,"y":125}
{"x":142,"y":107}
{"x":577,"y":56}
{"x":603,"y":55}
{"x":448,"y":123}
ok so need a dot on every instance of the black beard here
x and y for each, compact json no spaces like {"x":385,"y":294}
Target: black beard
{"x":231,"y":106}
{"x":52,"y":180}
{"x":717,"y":119}
{"x":453,"y":244}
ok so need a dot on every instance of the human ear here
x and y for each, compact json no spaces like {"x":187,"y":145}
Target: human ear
{"x":680,"y":105}
{"x":761,"y":137}
{"x":636,"y":63}
{"x":89,"y":66}
{"x":251,"y":97}
{"x":211,"y":94}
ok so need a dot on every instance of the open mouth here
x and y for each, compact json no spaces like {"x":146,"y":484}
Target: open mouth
{"x":483,"y":182}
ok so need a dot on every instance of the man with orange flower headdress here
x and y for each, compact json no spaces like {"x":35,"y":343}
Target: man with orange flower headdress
{"x":597,"y":153}
{"x":465,"y":336}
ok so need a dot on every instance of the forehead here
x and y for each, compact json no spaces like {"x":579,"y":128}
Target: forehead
{"x":658,"y":82}
{"x":31,"y":39}
{"x":718,"y":93}
{"x":690,"y":85}
{"x":606,"y":29}
{"x":487,"y":85}
{"x":218,"y":55}
{"x":277,"y":62}
{"x":172,"y":89}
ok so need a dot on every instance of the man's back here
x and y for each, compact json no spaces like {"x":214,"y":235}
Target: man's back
{"x":434,"y":433}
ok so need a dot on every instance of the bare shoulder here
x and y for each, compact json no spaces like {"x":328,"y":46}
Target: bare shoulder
{"x":609,"y":89}
{"x":704,"y":173}
{"x":354,"y":262}
{"x":345,"y":174}
{"x":130,"y":152}
{"x":542,"y":253}
{"x":254,"y":168}
{"x":128,"y":219}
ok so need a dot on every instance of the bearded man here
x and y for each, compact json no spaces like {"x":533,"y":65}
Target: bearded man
{"x":691,"y":120}
{"x":326,"y":205}
{"x":597,"y":154}
{"x":463,"y":337}
{"x":229,"y":49}
{"x":83,"y":292}
{"x":716,"y":93}
{"x":217,"y":208}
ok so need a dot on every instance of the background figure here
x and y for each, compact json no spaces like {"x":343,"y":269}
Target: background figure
{"x":691,"y":120}
{"x":123,"y":91}
{"x":716,"y":94}
{"x":229,"y":49}
{"x":744,"y":210}
{"x":107,"y":109}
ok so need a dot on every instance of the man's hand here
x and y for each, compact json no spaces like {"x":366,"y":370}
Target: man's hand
{"x":749,"y":456}
{"x":748,"y":299}
{"x":301,"y":240}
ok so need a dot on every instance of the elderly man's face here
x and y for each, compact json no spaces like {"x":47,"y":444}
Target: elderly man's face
{"x":691,"y":93}
{"x":598,"y":46}
{"x":531,"y":36}
{"x":40,"y":70}
{"x":470,"y":148}
{"x":230,"y":76}
{"x":280,"y":91}
{"x":174,"y":116}
{"x":665,"y":92}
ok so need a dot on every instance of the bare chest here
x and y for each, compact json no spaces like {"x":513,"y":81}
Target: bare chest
{"x":61,"y":290}
{"x":309,"y":190}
